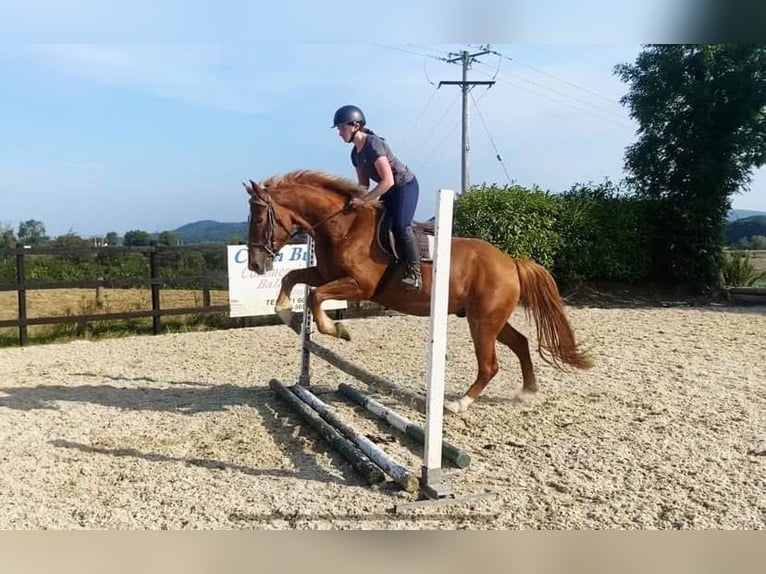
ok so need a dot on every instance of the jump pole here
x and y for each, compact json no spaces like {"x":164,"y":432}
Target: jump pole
{"x":459,"y":458}
{"x":408,"y":481}
{"x":371,"y":473}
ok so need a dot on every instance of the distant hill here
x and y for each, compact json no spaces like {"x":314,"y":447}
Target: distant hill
{"x":207,"y":231}
{"x":736,"y":214}
{"x":746,"y":227}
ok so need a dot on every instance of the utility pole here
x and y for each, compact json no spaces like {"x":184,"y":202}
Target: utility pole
{"x":465,"y":85}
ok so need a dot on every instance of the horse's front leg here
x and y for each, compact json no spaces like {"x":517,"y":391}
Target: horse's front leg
{"x":344,"y":289}
{"x":307,"y":276}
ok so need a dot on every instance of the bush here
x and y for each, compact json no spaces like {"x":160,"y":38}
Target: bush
{"x":603,"y":235}
{"x":517,"y":220}
{"x":738,"y":270}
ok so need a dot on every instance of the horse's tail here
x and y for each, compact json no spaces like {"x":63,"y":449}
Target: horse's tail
{"x":555,"y":337}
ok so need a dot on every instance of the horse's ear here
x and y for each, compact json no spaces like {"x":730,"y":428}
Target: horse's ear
{"x":254,"y":186}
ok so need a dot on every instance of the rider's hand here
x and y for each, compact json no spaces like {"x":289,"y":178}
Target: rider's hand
{"x":355,"y":202}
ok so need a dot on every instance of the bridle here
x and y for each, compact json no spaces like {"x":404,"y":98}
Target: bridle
{"x":272,"y":220}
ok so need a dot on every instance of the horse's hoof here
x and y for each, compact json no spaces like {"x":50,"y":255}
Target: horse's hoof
{"x":286,"y":315}
{"x":452,"y":407}
{"x":342,"y":332}
{"x":457,"y":407}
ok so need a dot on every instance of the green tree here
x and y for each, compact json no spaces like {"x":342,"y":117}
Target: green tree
{"x":756,"y":242}
{"x":702,"y":130}
{"x":168,"y":238}
{"x":7,"y":236}
{"x":32,"y":232}
{"x":7,"y":264}
{"x":71,"y":240}
{"x":136,"y":237}
{"x":74,"y":241}
{"x":112,"y":239}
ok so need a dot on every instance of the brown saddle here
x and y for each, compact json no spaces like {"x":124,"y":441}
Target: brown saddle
{"x":424,"y":233}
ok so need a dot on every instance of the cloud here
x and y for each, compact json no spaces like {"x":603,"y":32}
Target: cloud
{"x":197,"y":74}
{"x":238,"y":78}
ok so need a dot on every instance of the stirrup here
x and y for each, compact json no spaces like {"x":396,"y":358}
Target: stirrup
{"x":412,"y":279}
{"x":412,"y":283}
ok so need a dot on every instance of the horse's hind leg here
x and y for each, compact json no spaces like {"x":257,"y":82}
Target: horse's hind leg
{"x":484,"y":333}
{"x":520,"y":346}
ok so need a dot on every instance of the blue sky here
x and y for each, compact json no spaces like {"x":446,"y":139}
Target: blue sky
{"x":112,"y":137}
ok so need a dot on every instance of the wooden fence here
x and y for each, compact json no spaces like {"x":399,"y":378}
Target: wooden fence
{"x":155,"y":281}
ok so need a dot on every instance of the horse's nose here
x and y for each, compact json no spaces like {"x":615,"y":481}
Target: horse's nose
{"x":253,"y":265}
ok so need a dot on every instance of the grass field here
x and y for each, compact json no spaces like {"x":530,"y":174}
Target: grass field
{"x":71,"y":302}
{"x":759,"y":260}
{"x":62,"y":302}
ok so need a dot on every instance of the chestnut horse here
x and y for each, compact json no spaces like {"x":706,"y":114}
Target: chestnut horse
{"x":485,"y":283}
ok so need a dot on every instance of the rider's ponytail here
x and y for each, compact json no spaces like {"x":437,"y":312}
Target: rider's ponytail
{"x":372,"y":133}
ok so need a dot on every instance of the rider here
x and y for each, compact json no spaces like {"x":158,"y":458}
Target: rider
{"x":396,"y":185}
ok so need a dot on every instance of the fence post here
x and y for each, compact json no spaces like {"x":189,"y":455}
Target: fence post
{"x":206,"y":291}
{"x":22,"y":294}
{"x":154,"y":273}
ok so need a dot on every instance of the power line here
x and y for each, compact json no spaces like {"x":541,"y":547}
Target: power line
{"x":543,"y":72}
{"x":398,"y":49}
{"x":497,"y":70}
{"x":492,"y":141}
{"x":444,"y":115}
{"x":437,"y":50}
{"x":568,"y":96}
{"x":425,"y":71}
{"x":565,"y":103}
{"x":420,"y":115}
{"x":446,"y":137}
{"x":438,"y":146}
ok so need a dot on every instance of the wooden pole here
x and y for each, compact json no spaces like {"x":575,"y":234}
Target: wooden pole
{"x":21,"y":280}
{"x":450,"y":452}
{"x":371,"y":473}
{"x":401,"y":475}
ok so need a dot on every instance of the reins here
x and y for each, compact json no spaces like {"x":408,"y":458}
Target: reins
{"x":272,"y":220}
{"x":328,"y":218}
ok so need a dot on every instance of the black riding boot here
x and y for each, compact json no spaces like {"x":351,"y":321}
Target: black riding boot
{"x":411,"y":258}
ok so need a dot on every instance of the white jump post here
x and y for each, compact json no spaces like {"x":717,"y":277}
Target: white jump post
{"x":304,"y":379}
{"x":434,"y":484}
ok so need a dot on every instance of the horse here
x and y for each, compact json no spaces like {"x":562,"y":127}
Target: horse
{"x":485,"y":284}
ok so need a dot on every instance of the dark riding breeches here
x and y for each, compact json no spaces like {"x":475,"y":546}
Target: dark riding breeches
{"x":400,"y":202}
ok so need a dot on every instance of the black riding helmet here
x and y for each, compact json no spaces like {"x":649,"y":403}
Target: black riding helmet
{"x":348,"y":114}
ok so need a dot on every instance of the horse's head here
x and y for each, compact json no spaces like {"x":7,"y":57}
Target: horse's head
{"x":267,"y":233}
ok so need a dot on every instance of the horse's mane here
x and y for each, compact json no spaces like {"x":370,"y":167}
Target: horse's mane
{"x":304,"y":177}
